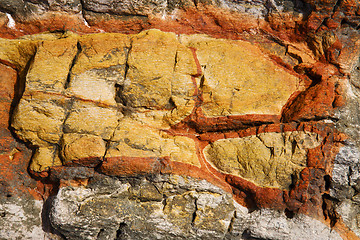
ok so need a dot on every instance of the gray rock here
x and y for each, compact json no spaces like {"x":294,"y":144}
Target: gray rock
{"x":170,"y":207}
{"x":272,"y":224}
{"x":21,"y":218}
{"x":127,"y":7}
{"x":345,"y":174}
{"x":350,"y":214}
{"x":143,"y":209}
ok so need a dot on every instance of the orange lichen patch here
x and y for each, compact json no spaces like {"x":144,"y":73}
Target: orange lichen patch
{"x":50,"y":21}
{"x":73,"y":183}
{"x":14,"y":179}
{"x":86,"y":162}
{"x":130,"y":166}
{"x":314,"y":103}
{"x":134,"y":166}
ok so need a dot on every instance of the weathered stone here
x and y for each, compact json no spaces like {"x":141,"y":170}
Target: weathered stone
{"x":148,"y":83}
{"x":272,"y":224}
{"x":44,"y":158}
{"x":82,"y":149}
{"x":169,"y":215}
{"x":350,"y":213}
{"x":346,"y":173}
{"x":20,"y":218}
{"x":51,"y":65}
{"x":267,"y":159}
{"x":88,"y":118}
{"x":126,"y":7}
{"x":240,"y":87}
{"x":39,"y":117}
{"x":158,"y":99}
{"x":109,"y":207}
{"x":134,"y":139}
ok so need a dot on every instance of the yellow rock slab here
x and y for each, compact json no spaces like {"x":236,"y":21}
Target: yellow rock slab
{"x":135,"y":139}
{"x":267,"y":159}
{"x":45,"y":157}
{"x":87,"y":117}
{"x":38,"y":118}
{"x":151,"y":65}
{"x":80,"y":146}
{"x":129,"y":88}
{"x":51,"y":65}
{"x":239,"y":79}
{"x":99,"y":65}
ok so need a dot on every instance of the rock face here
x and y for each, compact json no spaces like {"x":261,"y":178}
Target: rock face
{"x":179,"y":119}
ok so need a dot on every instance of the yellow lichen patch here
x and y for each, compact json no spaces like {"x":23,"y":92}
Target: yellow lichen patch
{"x":267,"y":159}
{"x":238,"y":79}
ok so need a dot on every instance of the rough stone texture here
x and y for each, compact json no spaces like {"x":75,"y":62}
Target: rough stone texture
{"x":94,"y":87}
{"x":240,"y":88}
{"x":226,"y":120}
{"x":268,"y":159}
{"x":170,"y":207}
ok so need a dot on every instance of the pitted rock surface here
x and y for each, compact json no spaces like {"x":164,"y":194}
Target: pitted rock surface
{"x":179,"y":119}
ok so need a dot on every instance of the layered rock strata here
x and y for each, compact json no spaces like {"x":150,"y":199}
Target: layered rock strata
{"x":230,"y":120}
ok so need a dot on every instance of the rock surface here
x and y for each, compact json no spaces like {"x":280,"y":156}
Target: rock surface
{"x":179,"y":119}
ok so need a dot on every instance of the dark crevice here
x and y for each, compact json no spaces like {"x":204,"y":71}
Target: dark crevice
{"x":349,"y":173}
{"x":119,"y":97}
{"x":194,"y":213}
{"x":121,"y":232}
{"x":327,"y":180}
{"x":82,"y":11}
{"x":231,"y":225}
{"x":164,"y":202}
{"x":329,"y":209}
{"x":294,"y":180}
{"x":336,"y":6}
{"x":221,"y":128}
{"x":46,"y":213}
{"x":289,"y":214}
{"x":99,"y":234}
{"x":248,"y":236}
{"x":171,"y":104}
{"x":67,"y":113}
{"x":202,"y":81}
{"x":127,"y":62}
{"x":293,"y":147}
{"x":68,"y":79}
{"x":176,"y":61}
{"x":119,"y":88}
